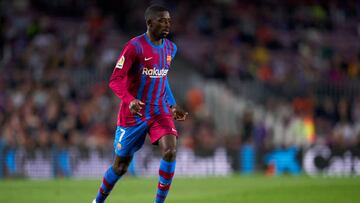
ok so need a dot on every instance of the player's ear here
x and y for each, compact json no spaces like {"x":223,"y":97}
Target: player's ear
{"x":148,"y":22}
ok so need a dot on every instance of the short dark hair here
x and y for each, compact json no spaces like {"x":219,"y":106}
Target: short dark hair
{"x":154,"y":9}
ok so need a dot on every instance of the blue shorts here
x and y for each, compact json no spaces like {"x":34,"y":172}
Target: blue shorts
{"x":128,"y":140}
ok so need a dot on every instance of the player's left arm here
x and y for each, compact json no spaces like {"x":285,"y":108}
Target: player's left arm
{"x":178,"y":113}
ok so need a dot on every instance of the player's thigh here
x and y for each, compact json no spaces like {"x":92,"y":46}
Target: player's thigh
{"x":129,"y":139}
{"x":162,"y":126}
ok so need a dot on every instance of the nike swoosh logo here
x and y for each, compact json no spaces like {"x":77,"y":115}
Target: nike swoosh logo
{"x":146,"y":59}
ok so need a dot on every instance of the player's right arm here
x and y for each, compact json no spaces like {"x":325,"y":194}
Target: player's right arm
{"x":118,"y":80}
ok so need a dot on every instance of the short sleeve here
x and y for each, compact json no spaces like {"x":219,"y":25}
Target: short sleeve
{"x":174,"y":50}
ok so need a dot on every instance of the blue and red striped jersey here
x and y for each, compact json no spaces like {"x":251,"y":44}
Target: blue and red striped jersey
{"x":141,"y":73}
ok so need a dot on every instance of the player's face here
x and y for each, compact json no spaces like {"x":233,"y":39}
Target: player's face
{"x":160,"y":25}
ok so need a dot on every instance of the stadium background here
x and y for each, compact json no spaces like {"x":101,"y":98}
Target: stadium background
{"x":271,"y":88}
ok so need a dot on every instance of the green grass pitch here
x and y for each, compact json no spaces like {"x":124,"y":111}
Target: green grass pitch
{"x":241,"y":189}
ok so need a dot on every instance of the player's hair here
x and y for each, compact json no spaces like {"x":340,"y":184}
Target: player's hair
{"x":152,"y":10}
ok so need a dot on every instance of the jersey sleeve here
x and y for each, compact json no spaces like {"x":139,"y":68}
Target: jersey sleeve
{"x":169,"y":95}
{"x":118,"y":80}
{"x":174,"y":51}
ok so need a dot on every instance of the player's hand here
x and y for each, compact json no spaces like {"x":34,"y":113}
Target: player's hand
{"x":135,"y":107}
{"x":178,"y":113}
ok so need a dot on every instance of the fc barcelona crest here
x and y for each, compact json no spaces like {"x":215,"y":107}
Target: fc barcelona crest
{"x":168,"y":59}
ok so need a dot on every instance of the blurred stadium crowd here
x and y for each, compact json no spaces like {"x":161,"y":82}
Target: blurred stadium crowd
{"x":305,"y":57}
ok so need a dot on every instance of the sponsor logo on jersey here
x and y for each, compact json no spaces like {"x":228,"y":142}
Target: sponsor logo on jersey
{"x":155,"y":73}
{"x":120,"y":62}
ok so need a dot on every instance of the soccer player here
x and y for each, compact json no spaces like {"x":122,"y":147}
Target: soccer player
{"x":147,"y":103}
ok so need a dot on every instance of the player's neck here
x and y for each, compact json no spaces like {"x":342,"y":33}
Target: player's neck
{"x":153,"y":39}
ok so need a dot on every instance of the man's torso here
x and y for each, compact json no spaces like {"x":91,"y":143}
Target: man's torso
{"x":146,"y":79}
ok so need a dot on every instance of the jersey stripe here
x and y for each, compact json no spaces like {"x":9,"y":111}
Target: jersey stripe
{"x":138,"y":47}
{"x":145,"y":92}
{"x":157,"y":112}
{"x":171,"y":49}
{"x":163,"y":99}
{"x":140,"y":94}
{"x":153,"y":97}
{"x":141,"y":87}
{"x":162,"y":86}
{"x":164,"y":105}
{"x":160,"y":51}
{"x":166,"y":53}
{"x":168,"y":50}
{"x":148,"y":98}
{"x":161,"y":106}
